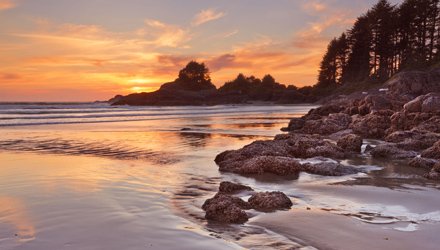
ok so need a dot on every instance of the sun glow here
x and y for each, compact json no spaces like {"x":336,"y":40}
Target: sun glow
{"x":138,"y":89}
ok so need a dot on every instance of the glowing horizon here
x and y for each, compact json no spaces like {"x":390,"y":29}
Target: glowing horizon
{"x":92,"y":50}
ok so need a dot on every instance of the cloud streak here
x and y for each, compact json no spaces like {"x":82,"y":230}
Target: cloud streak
{"x":205,"y":16}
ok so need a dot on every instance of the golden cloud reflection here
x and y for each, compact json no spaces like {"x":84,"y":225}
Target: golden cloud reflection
{"x":13,"y":211}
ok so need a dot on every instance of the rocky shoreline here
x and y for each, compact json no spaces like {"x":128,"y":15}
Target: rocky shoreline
{"x":404,"y":116}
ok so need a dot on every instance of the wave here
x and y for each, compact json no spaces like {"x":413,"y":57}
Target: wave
{"x":100,"y":149}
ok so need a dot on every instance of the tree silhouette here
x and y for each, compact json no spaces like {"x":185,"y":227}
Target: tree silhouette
{"x":195,"y":76}
{"x":383,"y":41}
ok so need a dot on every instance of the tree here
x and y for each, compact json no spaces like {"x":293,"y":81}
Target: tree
{"x":327,"y":70}
{"x":195,"y":76}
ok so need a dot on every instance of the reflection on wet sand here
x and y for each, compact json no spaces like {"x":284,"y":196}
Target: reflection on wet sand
{"x":13,"y":212}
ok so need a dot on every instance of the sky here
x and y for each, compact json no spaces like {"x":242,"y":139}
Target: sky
{"x":87,"y":50}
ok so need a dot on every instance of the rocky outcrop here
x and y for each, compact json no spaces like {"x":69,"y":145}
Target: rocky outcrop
{"x":391,"y":151}
{"x":226,"y":208}
{"x":270,"y":201}
{"x":414,"y":83}
{"x":432,"y":152}
{"x":351,"y":143}
{"x":429,"y":103}
{"x":420,"y":162}
{"x":227,"y":187}
{"x":373,"y":125}
{"x":434,"y":174}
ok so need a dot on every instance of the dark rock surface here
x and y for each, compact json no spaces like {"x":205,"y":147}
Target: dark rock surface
{"x":351,"y":143}
{"x":226,"y":208}
{"x":432,"y":152}
{"x":270,"y":201}
{"x":227,"y":187}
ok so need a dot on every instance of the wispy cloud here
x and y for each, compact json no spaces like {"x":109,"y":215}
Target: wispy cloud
{"x":314,"y":6}
{"x":207,"y":15}
{"x":161,"y":34}
{"x":7,"y":4}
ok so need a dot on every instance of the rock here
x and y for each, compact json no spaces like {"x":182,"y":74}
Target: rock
{"x":435,"y":172}
{"x":432,"y":152}
{"x":368,"y":148}
{"x":420,"y":162}
{"x":286,"y":145}
{"x":327,"y":125}
{"x":373,"y":125}
{"x":401,"y":121}
{"x":391,"y":151}
{"x":415,"y":139}
{"x":295,"y":124}
{"x":284,"y":166}
{"x":429,"y":103}
{"x":327,"y":167}
{"x":227,"y":187}
{"x":414,"y":83}
{"x":351,"y":143}
{"x":226,"y":208}
{"x":413,"y":106}
{"x":432,"y":124}
{"x":278,"y":165}
{"x":270,"y":201}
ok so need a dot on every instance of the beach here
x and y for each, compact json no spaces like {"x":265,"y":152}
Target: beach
{"x":93,"y":176}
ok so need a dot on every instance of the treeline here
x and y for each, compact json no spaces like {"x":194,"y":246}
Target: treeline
{"x":383,"y":41}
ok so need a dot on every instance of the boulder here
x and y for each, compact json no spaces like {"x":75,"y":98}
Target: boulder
{"x":351,"y":143}
{"x":227,"y":209}
{"x":415,"y":139}
{"x":429,"y":103}
{"x":373,"y":125}
{"x":432,"y":152}
{"x":227,"y":187}
{"x":270,"y":201}
{"x":420,"y":162}
{"x":414,"y":83}
{"x":327,"y":125}
{"x":327,"y":167}
{"x":391,"y":151}
{"x":434,"y":174}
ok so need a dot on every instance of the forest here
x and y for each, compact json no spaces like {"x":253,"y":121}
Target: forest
{"x":383,"y":41}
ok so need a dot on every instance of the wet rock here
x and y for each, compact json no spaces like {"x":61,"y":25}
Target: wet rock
{"x":295,"y":124}
{"x":227,"y":187}
{"x":327,"y":167}
{"x":368,"y":148}
{"x":435,"y":172}
{"x":351,"y":143}
{"x":289,"y":146}
{"x":420,"y":162}
{"x":270,"y":201}
{"x":227,"y":209}
{"x":432,"y":152}
{"x":391,"y":151}
{"x":415,"y":139}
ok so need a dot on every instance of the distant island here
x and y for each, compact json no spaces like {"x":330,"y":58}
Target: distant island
{"x":194,"y":87}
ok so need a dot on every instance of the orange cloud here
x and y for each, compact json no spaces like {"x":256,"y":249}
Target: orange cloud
{"x":7,"y":4}
{"x":314,"y":6}
{"x":205,"y":16}
{"x":160,"y":34}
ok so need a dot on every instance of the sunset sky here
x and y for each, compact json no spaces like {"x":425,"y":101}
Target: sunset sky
{"x":86,"y":50}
